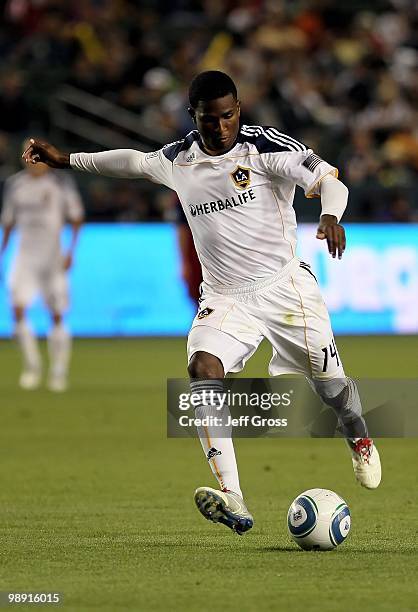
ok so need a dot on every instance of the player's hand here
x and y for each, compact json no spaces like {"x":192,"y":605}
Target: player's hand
{"x":40,"y":151}
{"x":68,"y":261}
{"x":334,"y":234}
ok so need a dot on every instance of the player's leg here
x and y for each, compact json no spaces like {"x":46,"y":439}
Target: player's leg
{"x":306,"y":339}
{"x":206,"y":373}
{"x":59,"y":350}
{"x":213,"y":353}
{"x":225,"y":506}
{"x":329,"y":380}
{"x":24,"y":284}
{"x":30,"y":377}
{"x":342,"y":395}
{"x":59,"y":338}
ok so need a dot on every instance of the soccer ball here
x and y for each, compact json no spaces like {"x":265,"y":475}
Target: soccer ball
{"x":318,"y":519}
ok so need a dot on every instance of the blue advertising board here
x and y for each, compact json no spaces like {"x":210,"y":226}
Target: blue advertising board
{"x":126,"y":281}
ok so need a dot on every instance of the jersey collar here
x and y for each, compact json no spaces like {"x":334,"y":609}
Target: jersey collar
{"x":239,"y":139}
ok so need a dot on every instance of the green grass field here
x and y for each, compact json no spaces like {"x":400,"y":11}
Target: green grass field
{"x":96,"y":503}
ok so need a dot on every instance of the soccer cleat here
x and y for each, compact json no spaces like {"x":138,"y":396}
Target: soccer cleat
{"x":366,"y":462}
{"x":30,"y":379}
{"x":58,"y":384}
{"x":224,"y":507}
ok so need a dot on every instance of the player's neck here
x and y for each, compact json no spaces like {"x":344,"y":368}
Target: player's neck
{"x":217,"y":152}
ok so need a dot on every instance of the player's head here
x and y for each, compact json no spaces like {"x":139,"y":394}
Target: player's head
{"x":215,"y":109}
{"x":37,"y":169}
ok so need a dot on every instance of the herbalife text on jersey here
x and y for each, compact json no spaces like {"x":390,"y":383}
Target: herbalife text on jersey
{"x":217,"y":205}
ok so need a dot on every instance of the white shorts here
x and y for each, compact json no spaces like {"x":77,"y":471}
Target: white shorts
{"x":30,"y":279}
{"x":289,"y":311}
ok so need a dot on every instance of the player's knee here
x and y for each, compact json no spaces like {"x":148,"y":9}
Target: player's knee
{"x":332,"y":391}
{"x":204,"y":365}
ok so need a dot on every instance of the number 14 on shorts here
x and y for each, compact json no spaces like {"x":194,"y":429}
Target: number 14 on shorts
{"x":330,"y":352}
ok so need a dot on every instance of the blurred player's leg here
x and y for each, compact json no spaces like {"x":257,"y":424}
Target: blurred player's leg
{"x":24,"y":285}
{"x":59,"y":350}
{"x":59,"y":339}
{"x":32,"y":366}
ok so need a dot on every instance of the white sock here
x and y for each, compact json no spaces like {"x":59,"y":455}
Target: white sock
{"x":29,"y":346}
{"x":59,"y":349}
{"x":216,"y":440}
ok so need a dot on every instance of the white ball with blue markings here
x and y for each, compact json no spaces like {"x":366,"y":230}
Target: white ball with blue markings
{"x":319,"y":519}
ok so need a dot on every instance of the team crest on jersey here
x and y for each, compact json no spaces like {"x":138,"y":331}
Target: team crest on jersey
{"x":241,"y":177}
{"x":204,"y":313}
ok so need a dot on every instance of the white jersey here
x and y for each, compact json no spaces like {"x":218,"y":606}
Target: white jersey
{"x":239,"y":205}
{"x":39,"y":207}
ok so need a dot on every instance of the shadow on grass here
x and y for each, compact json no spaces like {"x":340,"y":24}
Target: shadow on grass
{"x":384,"y":550}
{"x":277,"y":549}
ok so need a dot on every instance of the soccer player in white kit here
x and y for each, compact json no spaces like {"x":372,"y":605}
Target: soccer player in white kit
{"x":37,"y":202}
{"x":236,"y":185}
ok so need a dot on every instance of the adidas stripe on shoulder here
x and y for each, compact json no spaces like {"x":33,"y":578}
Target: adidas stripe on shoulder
{"x":269,"y":140}
{"x":172,"y":150}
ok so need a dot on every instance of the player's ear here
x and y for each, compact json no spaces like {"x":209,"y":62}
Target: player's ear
{"x":239,"y":107}
{"x":192,"y":113}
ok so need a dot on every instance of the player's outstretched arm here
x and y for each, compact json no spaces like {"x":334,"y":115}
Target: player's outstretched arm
{"x":119,"y":163}
{"x":40,"y":151}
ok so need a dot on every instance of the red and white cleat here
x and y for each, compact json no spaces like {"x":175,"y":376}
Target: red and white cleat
{"x":366,"y":462}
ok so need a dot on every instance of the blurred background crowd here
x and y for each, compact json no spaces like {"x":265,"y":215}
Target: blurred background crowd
{"x":340,"y":76}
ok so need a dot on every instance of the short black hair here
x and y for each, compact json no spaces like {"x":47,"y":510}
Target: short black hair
{"x":210,"y":85}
